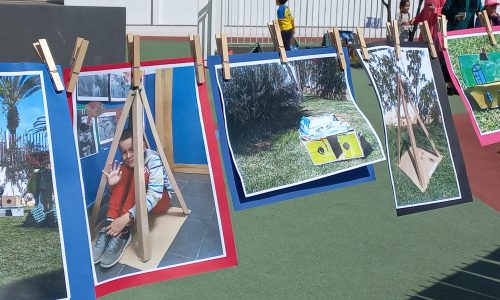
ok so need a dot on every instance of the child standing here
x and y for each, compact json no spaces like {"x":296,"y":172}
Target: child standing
{"x":491,"y":9}
{"x":404,"y":20}
{"x":285,"y":20}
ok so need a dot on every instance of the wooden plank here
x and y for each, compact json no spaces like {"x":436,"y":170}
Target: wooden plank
{"x":191,"y":168}
{"x":279,"y":40}
{"x":111,"y":155}
{"x":395,"y":34}
{"x":362,"y":43}
{"x":413,"y":142}
{"x":488,"y":27}
{"x":49,"y":61}
{"x":164,"y":160}
{"x":141,"y":216}
{"x":80,"y":50}
{"x":223,"y":51}
{"x":335,"y":38}
{"x":424,"y":128}
{"x":136,"y":62}
{"x":198,"y":57}
{"x":444,"y":31}
{"x":426,"y":32}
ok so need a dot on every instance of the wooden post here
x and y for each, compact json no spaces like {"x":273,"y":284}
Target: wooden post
{"x":277,"y":39}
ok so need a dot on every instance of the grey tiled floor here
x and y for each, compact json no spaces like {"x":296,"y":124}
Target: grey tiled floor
{"x":198,"y":237}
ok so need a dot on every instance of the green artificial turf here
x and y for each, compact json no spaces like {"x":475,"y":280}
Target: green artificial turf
{"x":282,"y":159}
{"x":27,"y":252}
{"x":349,"y":244}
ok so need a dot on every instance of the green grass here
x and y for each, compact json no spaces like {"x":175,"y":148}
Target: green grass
{"x":27,"y":252}
{"x":442,"y":184}
{"x":489,"y":119}
{"x":282,"y":159}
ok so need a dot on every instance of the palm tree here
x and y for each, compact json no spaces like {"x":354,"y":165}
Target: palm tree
{"x":13,"y":89}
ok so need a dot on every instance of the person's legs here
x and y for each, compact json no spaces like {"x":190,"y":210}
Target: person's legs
{"x":286,"y":36}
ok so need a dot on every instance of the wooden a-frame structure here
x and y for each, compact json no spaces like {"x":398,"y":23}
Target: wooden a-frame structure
{"x":416,"y":163}
{"x":138,"y":103}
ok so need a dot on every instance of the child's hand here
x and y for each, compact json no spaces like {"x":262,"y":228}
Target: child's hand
{"x":412,"y":21}
{"x":113,"y":173}
{"x":116,"y":227}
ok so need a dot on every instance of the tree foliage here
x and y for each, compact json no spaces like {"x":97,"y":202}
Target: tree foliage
{"x":13,"y":89}
{"x":322,"y":75}
{"x":418,"y":86}
{"x":258,"y":94}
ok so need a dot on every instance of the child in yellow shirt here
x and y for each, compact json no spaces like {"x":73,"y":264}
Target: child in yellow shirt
{"x":286,"y":23}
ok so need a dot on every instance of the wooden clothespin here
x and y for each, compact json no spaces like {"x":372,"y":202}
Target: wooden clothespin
{"x":198,"y":58}
{"x":76,"y":63}
{"x":444,"y":30}
{"x":335,"y":38}
{"x":279,"y":46}
{"x":362,"y":43}
{"x":43,"y":50}
{"x":222,"y":50}
{"x":389,"y":31}
{"x":395,"y":34}
{"x":134,"y":51}
{"x":485,"y":21}
{"x":424,"y":28}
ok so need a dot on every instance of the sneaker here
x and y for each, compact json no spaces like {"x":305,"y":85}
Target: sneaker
{"x":115,"y":249}
{"x":100,"y":245}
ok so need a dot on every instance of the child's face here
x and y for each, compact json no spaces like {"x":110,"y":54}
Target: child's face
{"x":127,"y":150}
{"x":405,"y":8}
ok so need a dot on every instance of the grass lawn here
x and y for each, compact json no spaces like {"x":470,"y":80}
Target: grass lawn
{"x":27,"y":252}
{"x":283,"y":160}
{"x":487,"y":119}
{"x":442,"y":184}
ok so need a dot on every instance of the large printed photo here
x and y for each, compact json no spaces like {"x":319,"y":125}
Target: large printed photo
{"x":31,"y":247}
{"x":420,"y":159}
{"x":293,"y":123}
{"x":182,"y":239}
{"x":475,"y":68}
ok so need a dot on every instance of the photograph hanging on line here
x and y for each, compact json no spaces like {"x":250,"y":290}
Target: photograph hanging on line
{"x":474,"y":65}
{"x":293,"y":123}
{"x":106,"y":126}
{"x":93,"y":87}
{"x":86,"y":133}
{"x":31,"y":251}
{"x":119,"y":85}
{"x":420,"y":159}
{"x":181,"y":243}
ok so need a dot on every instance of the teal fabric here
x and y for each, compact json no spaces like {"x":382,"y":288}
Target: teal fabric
{"x":452,"y":7}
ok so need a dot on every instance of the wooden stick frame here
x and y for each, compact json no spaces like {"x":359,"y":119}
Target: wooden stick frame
{"x":485,"y":21}
{"x":335,"y":38}
{"x":76,"y":63}
{"x":362,"y":43}
{"x":138,"y":102}
{"x":402,"y":101}
{"x":275,"y":31}
{"x":426,"y":32}
{"x":222,"y":50}
{"x":43,"y":51}
{"x":198,"y":58}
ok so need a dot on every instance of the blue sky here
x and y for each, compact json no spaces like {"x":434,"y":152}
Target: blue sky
{"x":29,"y":109}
